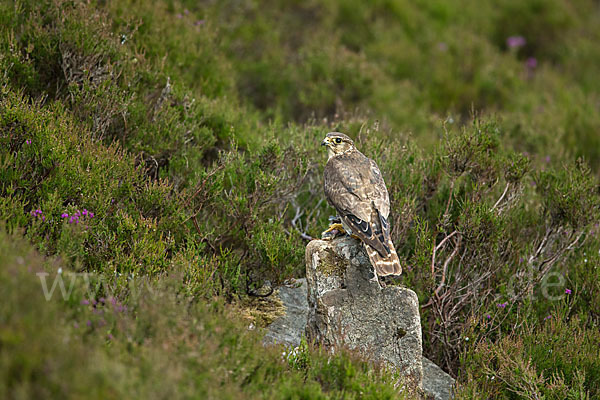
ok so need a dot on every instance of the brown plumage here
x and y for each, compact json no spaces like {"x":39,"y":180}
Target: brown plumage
{"x":355,"y":188}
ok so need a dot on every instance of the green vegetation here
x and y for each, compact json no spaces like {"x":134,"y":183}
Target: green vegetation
{"x":159,"y":345}
{"x":168,"y":152}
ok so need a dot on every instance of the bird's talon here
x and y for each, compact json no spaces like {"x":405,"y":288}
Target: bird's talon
{"x":334,"y":231}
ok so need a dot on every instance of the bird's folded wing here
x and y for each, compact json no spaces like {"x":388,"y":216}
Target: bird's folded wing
{"x":357,"y":191}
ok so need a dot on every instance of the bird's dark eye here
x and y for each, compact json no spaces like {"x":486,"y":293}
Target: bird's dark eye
{"x":338,"y":140}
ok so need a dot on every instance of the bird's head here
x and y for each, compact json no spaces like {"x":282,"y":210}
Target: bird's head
{"x":337,"y":143}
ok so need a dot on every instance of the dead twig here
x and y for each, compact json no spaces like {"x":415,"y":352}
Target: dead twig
{"x":298,"y":215}
{"x":501,"y":197}
{"x":445,"y":266}
{"x":436,"y":248}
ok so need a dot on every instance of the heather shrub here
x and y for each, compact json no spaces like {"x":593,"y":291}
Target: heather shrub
{"x":239,"y":206}
{"x":554,"y":358}
{"x":109,"y":86}
{"x":193,"y":349}
{"x":79,"y":199}
{"x":480,"y":247}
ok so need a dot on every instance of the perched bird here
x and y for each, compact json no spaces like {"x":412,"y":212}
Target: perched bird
{"x":355,"y":188}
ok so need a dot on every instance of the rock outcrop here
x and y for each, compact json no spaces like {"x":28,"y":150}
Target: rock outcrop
{"x":328,"y":264}
{"x":348,"y":306}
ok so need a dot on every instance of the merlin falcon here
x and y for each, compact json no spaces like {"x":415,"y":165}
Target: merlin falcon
{"x":355,"y":188}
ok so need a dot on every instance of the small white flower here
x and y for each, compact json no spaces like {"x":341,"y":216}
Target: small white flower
{"x":60,"y":270}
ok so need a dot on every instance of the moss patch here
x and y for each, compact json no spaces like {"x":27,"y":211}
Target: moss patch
{"x":333,"y":264}
{"x":262,"y":311}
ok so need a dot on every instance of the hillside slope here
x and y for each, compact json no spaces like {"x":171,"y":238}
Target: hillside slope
{"x":172,"y":146}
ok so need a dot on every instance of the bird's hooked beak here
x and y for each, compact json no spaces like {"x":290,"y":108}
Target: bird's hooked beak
{"x":325,"y":142}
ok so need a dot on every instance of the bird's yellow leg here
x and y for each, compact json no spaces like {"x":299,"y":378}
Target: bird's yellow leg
{"x":333,"y":231}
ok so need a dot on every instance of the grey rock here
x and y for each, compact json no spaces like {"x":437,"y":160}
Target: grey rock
{"x":289,"y":328}
{"x":436,"y":382}
{"x":348,"y":307}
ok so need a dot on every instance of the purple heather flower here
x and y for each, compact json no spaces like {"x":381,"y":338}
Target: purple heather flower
{"x":28,"y":141}
{"x":488,"y":316}
{"x":85,"y":302}
{"x":547,"y":159}
{"x":64,"y":215}
{"x":547,"y":318}
{"x":102,"y":300}
{"x":515,"y":41}
{"x":179,"y":16}
{"x":109,"y":336}
{"x":568,"y":291}
{"x":44,"y":218}
{"x":84,"y":212}
{"x":442,"y":46}
{"x":88,"y":323}
{"x":502,"y":305}
{"x":199,"y":22}
{"x":90,"y":214}
{"x":74,"y":219}
{"x":531,"y":63}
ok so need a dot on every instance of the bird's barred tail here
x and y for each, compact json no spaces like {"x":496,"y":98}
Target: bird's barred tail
{"x":384,"y":266}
